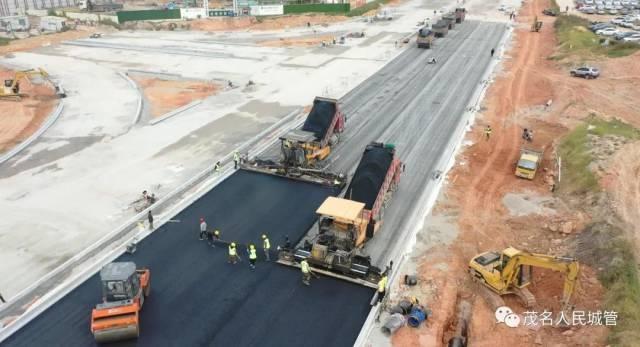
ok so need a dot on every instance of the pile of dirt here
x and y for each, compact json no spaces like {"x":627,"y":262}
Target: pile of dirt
{"x":20,"y":119}
{"x":271,"y":23}
{"x":299,"y":41}
{"x":34,"y":42}
{"x":166,"y":95}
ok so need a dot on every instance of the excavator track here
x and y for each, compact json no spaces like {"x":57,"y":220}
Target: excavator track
{"x":528,"y":299}
{"x":490,"y":297}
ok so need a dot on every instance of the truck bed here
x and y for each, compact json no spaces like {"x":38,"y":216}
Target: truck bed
{"x":369,"y":176}
{"x":320,"y":117}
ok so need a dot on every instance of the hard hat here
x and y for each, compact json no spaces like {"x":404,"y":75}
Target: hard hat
{"x":264,"y":236}
{"x":233,"y":244}
{"x":217,"y":232}
{"x":252,"y":246}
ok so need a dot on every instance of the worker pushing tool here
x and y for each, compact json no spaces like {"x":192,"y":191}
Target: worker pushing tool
{"x":215,"y":237}
{"x":266,"y":246}
{"x":233,"y":253}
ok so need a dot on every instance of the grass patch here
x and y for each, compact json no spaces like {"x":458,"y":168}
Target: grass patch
{"x":366,"y":8}
{"x":574,"y":37}
{"x":574,"y":150}
{"x":603,"y":246}
{"x":4,"y":41}
{"x":554,"y":6}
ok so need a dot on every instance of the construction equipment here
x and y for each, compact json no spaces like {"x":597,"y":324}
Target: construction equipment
{"x":461,"y":13}
{"x":536,"y":25}
{"x":11,"y":88}
{"x":124,"y":289}
{"x":303,"y":150}
{"x":450,"y":18}
{"x":528,"y":163}
{"x":345,"y":224}
{"x":509,"y":272}
{"x":441,"y":28}
{"x":425,"y":38}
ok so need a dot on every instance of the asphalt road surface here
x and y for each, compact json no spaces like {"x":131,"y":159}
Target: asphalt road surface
{"x":198,"y":299}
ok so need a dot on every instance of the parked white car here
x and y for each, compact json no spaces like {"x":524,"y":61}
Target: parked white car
{"x":617,"y":20}
{"x":632,"y":38}
{"x":607,"y":32}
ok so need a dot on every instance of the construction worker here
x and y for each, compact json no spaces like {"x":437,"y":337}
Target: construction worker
{"x":382,"y":287}
{"x":2,"y":299}
{"x":236,"y":160}
{"x":266,"y":246}
{"x":203,"y":229}
{"x":216,"y":168}
{"x":215,"y":237}
{"x":487,"y":132}
{"x":233,"y":253}
{"x":253,"y":256}
{"x":306,"y":272}
{"x":493,"y":50}
{"x":150,"y":218}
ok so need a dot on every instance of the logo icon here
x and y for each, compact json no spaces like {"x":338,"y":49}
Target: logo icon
{"x":505,"y":315}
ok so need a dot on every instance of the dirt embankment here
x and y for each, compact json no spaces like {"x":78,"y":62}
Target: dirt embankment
{"x":252,"y":23}
{"x":34,"y":42}
{"x":299,"y":41}
{"x":22,"y":118}
{"x":167,"y":95}
{"x":490,"y":209}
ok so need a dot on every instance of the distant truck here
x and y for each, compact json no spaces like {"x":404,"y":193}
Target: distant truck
{"x":99,"y":6}
{"x":450,"y":18}
{"x":440,"y":29}
{"x":461,"y":13}
{"x":528,"y":163}
{"x":424,"y":38}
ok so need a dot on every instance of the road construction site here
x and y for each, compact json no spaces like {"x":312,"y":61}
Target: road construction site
{"x":422,"y":109}
{"x":422,"y":127}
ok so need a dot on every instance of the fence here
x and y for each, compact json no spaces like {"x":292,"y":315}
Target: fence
{"x":128,"y":16}
{"x":326,"y":8}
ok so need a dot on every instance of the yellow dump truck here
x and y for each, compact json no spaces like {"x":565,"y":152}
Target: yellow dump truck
{"x":528,"y":163}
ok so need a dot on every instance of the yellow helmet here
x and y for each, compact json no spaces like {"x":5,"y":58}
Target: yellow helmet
{"x":217,"y":232}
{"x":233,"y":244}
{"x":264,"y":236}
{"x":252,"y":246}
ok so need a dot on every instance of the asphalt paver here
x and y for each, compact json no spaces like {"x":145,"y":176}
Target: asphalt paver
{"x":198,"y":299}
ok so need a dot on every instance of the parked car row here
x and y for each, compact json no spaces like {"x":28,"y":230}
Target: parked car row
{"x":610,"y":30}
{"x":613,"y":7}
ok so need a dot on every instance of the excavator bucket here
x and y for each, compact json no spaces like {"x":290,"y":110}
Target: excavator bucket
{"x":115,"y":324}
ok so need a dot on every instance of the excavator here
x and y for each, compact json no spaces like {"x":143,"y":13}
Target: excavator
{"x":11,"y":88}
{"x":509,"y":272}
{"x":124,"y":289}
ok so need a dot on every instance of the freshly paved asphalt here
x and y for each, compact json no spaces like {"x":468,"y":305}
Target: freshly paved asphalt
{"x":198,"y":299}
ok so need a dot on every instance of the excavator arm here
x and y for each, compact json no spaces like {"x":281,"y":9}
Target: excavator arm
{"x":566,"y":265}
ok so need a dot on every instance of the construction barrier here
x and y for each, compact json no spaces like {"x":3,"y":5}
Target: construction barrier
{"x":221,"y":13}
{"x":267,"y":10}
{"x":326,"y":8}
{"x":128,"y":16}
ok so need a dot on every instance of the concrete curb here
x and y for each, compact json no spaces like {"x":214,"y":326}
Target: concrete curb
{"x":175,"y":112}
{"x":133,"y":84}
{"x":84,"y":264}
{"x":428,"y":199}
{"x":52,"y":118}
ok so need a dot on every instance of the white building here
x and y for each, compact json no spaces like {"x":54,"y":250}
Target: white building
{"x":50,"y":23}
{"x":17,"y":7}
{"x":14,"y":23}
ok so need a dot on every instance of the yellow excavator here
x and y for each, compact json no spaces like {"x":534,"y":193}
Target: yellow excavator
{"x":509,"y":272}
{"x":11,"y":88}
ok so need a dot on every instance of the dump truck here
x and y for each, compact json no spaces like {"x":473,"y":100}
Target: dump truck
{"x":461,"y":13}
{"x":345,"y":224}
{"x":424,"y":38}
{"x":303,"y":150}
{"x":450,"y":18}
{"x":528,"y":163}
{"x":124,"y":289}
{"x":441,"y":28}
